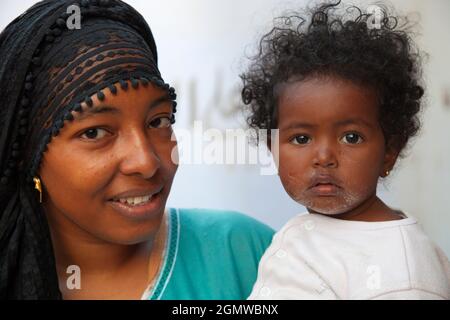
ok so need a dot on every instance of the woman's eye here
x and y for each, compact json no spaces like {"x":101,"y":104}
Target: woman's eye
{"x":94,"y":133}
{"x":352,"y":138}
{"x":302,"y":139}
{"x":162,"y":122}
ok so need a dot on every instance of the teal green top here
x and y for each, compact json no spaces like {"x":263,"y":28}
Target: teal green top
{"x":210,"y":254}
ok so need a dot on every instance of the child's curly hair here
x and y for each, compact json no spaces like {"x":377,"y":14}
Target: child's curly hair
{"x":383,"y":58}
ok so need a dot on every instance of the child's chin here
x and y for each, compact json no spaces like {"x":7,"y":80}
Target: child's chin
{"x":328,"y":209}
{"x":331,"y":206}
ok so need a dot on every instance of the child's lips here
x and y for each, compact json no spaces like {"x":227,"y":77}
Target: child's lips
{"x":325,"y":190}
{"x":324,"y":185}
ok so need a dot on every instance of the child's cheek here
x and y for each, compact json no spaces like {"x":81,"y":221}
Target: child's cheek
{"x":293,"y":184}
{"x":292,"y":170}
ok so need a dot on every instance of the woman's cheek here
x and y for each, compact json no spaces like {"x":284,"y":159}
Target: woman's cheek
{"x":168,"y":153}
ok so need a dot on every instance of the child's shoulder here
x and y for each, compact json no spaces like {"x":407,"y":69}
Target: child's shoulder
{"x":307,"y":221}
{"x":399,"y":249}
{"x":302,"y":221}
{"x":297,"y":219}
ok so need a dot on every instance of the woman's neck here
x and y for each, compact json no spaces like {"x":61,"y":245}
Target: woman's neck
{"x":96,"y":257}
{"x":101,"y":262}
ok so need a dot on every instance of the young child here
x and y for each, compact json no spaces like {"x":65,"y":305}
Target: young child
{"x":344,"y":94}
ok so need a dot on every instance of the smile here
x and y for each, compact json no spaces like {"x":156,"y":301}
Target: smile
{"x":138,"y":207}
{"x":135,"y":201}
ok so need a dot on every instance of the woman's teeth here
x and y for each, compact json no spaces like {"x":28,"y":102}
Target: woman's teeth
{"x":135,"y":200}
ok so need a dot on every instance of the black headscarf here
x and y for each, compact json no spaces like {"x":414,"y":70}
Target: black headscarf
{"x":48,"y":71}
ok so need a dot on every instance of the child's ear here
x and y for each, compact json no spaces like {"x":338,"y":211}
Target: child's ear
{"x":390,"y":157}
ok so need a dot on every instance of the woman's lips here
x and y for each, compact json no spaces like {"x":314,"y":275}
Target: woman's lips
{"x":140,"y":211}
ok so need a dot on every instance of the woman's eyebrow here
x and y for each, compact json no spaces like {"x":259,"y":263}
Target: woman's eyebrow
{"x":97,"y":110}
{"x":158,"y":101}
{"x":87,"y":113}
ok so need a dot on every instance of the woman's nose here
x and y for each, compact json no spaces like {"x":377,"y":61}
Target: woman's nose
{"x":325,"y":156}
{"x":140,"y":157}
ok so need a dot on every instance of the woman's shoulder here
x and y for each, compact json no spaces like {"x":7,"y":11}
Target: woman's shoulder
{"x":220,"y":229}
{"x":225,"y":221}
{"x":217,"y":253}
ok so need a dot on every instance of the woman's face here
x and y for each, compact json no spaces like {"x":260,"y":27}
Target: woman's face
{"x":109,"y":172}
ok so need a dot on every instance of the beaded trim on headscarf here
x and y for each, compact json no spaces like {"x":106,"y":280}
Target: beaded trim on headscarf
{"x":67,"y":69}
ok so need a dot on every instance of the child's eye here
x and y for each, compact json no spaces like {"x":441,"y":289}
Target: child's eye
{"x":161,"y":122}
{"x":302,"y":139}
{"x":352,"y":138}
{"x":93,"y":133}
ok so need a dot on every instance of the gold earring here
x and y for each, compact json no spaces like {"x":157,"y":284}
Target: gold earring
{"x":38,"y":186}
{"x":386,"y":173}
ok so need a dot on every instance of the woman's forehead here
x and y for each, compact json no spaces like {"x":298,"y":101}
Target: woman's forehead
{"x":141,"y":100}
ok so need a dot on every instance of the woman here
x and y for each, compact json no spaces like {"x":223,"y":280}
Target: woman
{"x":87,"y":162}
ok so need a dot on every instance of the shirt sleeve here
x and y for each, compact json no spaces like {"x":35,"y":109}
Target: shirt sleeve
{"x":299,"y":283}
{"x":412,"y":294}
{"x":286,"y":276}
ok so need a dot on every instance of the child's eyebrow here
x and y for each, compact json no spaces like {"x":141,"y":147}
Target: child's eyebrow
{"x":88,"y":113}
{"x":342,"y":123}
{"x":296,"y":125}
{"x":357,"y":121}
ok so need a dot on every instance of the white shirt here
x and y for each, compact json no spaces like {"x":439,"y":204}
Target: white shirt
{"x":319,"y":257}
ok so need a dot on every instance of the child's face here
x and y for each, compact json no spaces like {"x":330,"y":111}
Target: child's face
{"x":332,"y":148}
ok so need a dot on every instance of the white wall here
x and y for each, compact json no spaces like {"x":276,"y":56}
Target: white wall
{"x":201,"y":47}
{"x":421,"y":185}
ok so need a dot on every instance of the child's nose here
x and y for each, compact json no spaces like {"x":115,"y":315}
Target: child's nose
{"x":139,"y":157}
{"x":325,"y":156}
